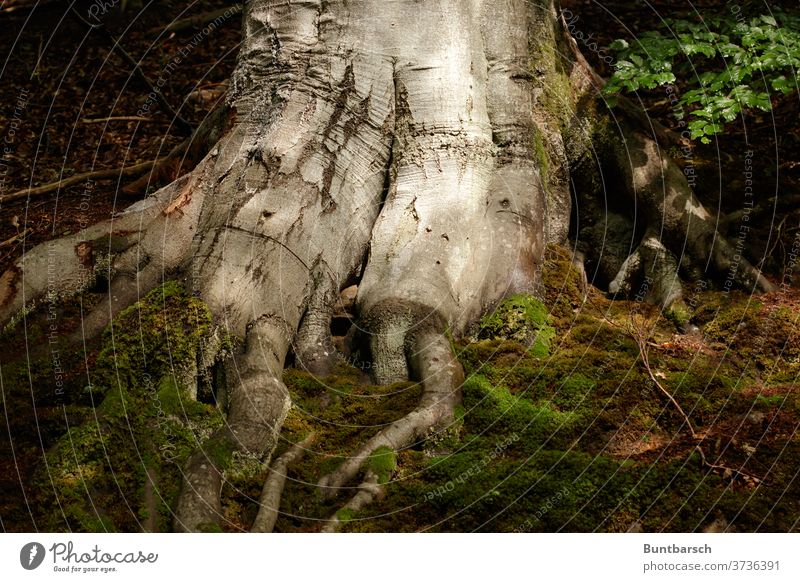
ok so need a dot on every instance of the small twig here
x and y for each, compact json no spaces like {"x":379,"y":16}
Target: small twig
{"x":644,"y":353}
{"x":136,"y":68}
{"x":124,"y":172}
{"x":778,"y":241}
{"x":724,"y":468}
{"x":640,"y":337}
{"x":769,"y":205}
{"x":121,"y":118}
{"x":199,"y":20}
{"x":19,"y":235}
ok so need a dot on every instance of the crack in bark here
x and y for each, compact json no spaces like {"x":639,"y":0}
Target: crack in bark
{"x":271,"y":239}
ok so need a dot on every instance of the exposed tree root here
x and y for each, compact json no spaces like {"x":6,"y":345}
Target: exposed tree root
{"x":630,"y":148}
{"x":424,"y":157}
{"x":314,"y":345}
{"x":441,"y":376}
{"x":273,"y":487}
{"x":259,"y":403}
{"x":370,"y":490}
{"x":655,"y":269}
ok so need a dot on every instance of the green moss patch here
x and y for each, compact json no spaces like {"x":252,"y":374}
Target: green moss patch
{"x":521,"y":318}
{"x":382,"y":462}
{"x":120,"y":470}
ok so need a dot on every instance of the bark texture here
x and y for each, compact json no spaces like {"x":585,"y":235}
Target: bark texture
{"x":424,"y":150}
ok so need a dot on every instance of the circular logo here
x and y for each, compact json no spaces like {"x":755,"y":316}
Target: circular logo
{"x":31,"y":555}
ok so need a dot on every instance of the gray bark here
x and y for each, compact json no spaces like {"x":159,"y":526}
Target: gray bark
{"x":425,"y":147}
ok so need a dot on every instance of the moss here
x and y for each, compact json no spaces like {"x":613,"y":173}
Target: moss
{"x":493,"y":410}
{"x":219,"y":450}
{"x":173,"y":399}
{"x":561,"y":285}
{"x":542,"y":157}
{"x":732,"y":322}
{"x":769,"y":402}
{"x":679,"y":314}
{"x":520,"y":318}
{"x":383,"y":462}
{"x":145,"y":421}
{"x":581,"y":442}
{"x":345,"y":515}
{"x":557,"y":96}
{"x":573,"y":391}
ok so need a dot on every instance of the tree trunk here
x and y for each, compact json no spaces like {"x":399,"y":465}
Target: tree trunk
{"x":422,"y":149}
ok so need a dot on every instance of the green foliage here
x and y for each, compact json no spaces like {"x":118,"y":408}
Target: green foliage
{"x":729,"y":65}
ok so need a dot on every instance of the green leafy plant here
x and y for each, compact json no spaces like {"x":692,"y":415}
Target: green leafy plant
{"x":726,"y":65}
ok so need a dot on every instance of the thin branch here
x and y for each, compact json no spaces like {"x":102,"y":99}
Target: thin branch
{"x":644,"y":353}
{"x":16,"y":237}
{"x":124,"y":172}
{"x":640,"y":337}
{"x":724,"y":468}
{"x":136,"y":69}
{"x":769,"y":205}
{"x":199,"y":20}
{"x":120,"y":118}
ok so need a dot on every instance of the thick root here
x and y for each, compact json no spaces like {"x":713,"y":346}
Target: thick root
{"x":370,"y":490}
{"x":259,"y":403}
{"x":133,"y":251}
{"x":273,"y":487}
{"x":441,"y":376}
{"x":662,"y":189}
{"x":651,"y":273}
{"x":314,"y":345}
{"x":630,"y":147}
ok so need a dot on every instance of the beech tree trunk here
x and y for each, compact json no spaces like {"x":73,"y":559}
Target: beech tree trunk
{"x":422,"y":149}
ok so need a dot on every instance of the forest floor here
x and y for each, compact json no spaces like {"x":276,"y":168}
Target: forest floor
{"x":562,"y":428}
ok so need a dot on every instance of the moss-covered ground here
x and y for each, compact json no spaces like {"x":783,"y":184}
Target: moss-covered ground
{"x":118,"y":432}
{"x":560,"y":428}
{"x":571,"y":434}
